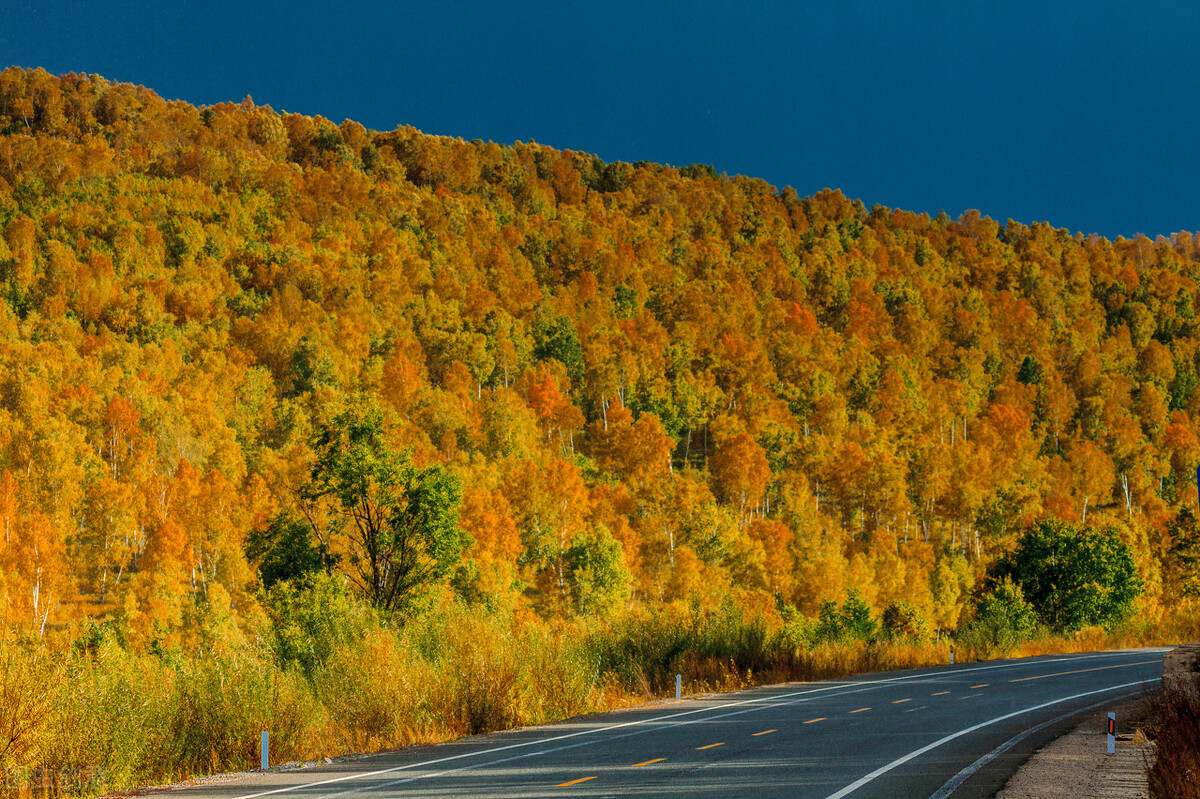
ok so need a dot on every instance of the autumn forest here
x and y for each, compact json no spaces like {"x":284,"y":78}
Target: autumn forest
{"x":272,"y":388}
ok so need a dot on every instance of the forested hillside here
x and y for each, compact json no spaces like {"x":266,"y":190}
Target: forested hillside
{"x":652,"y":384}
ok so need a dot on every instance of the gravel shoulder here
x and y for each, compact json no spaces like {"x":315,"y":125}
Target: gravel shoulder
{"x":1077,"y":765}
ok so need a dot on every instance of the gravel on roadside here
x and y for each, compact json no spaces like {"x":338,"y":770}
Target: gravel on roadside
{"x":1078,"y":766}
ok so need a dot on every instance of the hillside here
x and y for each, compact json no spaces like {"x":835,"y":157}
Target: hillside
{"x":272,"y":389}
{"x":752,"y":393}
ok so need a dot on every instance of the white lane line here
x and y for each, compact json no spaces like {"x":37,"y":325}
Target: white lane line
{"x":900,"y":761}
{"x":958,"y":779}
{"x":760,"y":703}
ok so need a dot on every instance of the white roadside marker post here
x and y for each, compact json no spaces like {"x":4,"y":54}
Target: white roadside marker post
{"x":266,"y":748}
{"x":1112,"y":733}
{"x":678,"y":686}
{"x":951,"y":653}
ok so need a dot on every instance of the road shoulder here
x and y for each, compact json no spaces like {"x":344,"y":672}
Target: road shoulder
{"x":1077,"y":765}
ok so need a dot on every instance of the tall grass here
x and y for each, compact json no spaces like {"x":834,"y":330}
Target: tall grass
{"x":127,"y":719}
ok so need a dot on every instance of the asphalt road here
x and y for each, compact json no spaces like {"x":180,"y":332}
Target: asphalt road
{"x":936,"y":732}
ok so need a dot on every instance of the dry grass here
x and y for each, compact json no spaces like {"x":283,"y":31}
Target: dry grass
{"x":1175,"y":772}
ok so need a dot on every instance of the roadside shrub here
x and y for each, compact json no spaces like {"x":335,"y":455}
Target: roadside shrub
{"x":851,"y":621}
{"x":222,"y":704}
{"x":27,"y":684}
{"x":902,"y":622}
{"x":313,"y":618}
{"x":113,"y":715}
{"x":1003,"y":620}
{"x":640,"y":652}
{"x":563,"y":679}
{"x":377,"y":693}
{"x":480,"y":677}
{"x":126,"y":719}
{"x":799,"y":632}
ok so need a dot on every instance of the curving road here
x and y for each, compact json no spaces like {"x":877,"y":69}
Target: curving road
{"x":938,"y":732}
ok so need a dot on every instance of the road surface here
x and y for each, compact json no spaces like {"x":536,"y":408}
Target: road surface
{"x":937,"y":732}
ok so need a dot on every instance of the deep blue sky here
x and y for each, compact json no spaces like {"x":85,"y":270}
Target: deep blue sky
{"x":1084,"y":114}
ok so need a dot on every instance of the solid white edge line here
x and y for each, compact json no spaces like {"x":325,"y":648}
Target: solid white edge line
{"x":862,"y":684}
{"x":958,"y":779}
{"x":900,"y":761}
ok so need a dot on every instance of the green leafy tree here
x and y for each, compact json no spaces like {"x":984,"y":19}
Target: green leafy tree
{"x":1030,"y":371}
{"x":1073,"y":578}
{"x":287,"y":550}
{"x":556,"y":338}
{"x":399,"y":523}
{"x":309,"y":368}
{"x":829,"y":622}
{"x":857,"y":619}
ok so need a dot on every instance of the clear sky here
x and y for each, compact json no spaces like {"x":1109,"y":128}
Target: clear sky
{"x":1083,"y":114}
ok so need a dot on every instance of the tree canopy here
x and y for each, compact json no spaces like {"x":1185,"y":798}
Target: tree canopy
{"x":633,"y":385}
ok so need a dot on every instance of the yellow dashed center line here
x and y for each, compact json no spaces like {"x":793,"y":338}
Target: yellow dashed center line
{"x":574,"y":782}
{"x":981,"y":685}
{"x":709,"y":746}
{"x":814,"y":721}
{"x":1081,"y":671}
{"x":898,"y":701}
{"x":764,"y":732}
{"x":648,"y":762}
{"x":940,"y":693}
{"x":860,"y":710}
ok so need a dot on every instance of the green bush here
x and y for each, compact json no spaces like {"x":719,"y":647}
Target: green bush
{"x":902,"y":622}
{"x":1073,"y":578}
{"x":645,"y":653}
{"x":287,"y":550}
{"x":311,"y":619}
{"x":850,"y":622}
{"x":1003,"y":619}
